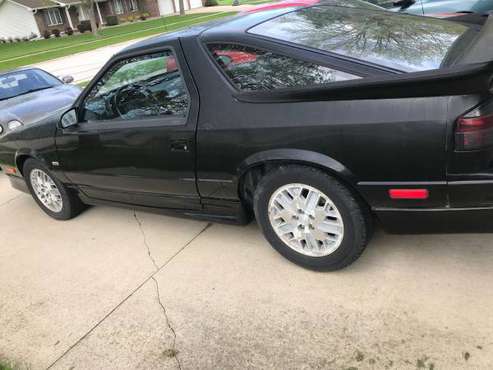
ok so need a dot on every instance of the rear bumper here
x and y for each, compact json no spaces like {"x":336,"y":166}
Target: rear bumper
{"x":438,"y":220}
{"x":18,"y":183}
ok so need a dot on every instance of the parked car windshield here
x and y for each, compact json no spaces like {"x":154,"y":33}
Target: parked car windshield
{"x":402,"y":42}
{"x":23,"y":82}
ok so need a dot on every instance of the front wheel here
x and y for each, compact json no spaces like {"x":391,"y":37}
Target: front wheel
{"x":51,"y":195}
{"x":311,"y":218}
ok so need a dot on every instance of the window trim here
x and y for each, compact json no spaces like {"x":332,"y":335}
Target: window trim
{"x":56,"y":14}
{"x":153,"y":121}
{"x":122,"y":8}
{"x":244,"y":44}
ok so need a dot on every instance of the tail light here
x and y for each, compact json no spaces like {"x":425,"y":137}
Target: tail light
{"x":474,"y":130}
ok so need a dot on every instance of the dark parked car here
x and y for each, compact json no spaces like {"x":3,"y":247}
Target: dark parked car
{"x":314,"y":119}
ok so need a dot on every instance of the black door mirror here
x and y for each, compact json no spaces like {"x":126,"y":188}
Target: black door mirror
{"x":69,"y":118}
{"x":67,"y":79}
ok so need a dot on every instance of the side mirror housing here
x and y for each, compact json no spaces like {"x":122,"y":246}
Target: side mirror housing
{"x":67,"y":79}
{"x":69,"y":118}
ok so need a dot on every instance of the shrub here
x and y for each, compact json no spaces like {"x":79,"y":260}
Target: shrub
{"x":84,"y":26}
{"x":3,"y":40}
{"x":33,"y":36}
{"x":130,"y":18}
{"x":144,"y":16}
{"x":111,"y":20}
{"x":10,"y":40}
{"x":69,"y":31}
{"x":25,"y":38}
{"x":56,"y":32}
{"x":210,"y":3}
{"x":17,"y":39}
{"x":47,"y":34}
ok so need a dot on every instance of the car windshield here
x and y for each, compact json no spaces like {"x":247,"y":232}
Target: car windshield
{"x":401,"y":42}
{"x":23,"y":82}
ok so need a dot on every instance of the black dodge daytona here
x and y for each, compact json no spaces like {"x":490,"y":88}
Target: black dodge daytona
{"x":315,"y":119}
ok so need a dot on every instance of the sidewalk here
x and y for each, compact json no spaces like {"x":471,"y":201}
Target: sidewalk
{"x":84,"y":66}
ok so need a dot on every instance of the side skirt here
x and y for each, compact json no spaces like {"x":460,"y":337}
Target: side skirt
{"x":227,"y":212}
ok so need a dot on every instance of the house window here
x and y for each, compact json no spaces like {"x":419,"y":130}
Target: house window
{"x":118,"y":6}
{"x":53,"y":17}
{"x":132,"y":5}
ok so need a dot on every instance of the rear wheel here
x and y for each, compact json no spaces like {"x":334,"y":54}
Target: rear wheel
{"x":51,"y":195}
{"x":311,"y":218}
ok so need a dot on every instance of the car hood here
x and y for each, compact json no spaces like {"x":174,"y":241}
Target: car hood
{"x":36,"y":106}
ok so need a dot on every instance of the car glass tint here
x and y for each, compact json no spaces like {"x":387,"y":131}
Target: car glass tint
{"x":402,"y":42}
{"x":252,"y":70}
{"x":140,"y":87}
{"x":23,"y":82}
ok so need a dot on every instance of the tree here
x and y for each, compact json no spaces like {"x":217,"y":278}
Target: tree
{"x":182,"y":7}
{"x":88,"y":6}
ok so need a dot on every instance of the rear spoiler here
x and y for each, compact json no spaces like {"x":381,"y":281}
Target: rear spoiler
{"x":457,"y":80}
{"x":480,"y":49}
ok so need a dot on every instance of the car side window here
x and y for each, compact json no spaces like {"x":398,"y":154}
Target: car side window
{"x":139,"y":88}
{"x":252,"y":69}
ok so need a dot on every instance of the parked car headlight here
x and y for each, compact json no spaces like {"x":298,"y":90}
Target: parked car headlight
{"x":14,"y":125}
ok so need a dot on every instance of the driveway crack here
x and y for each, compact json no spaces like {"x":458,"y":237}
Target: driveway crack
{"x":152,"y":276}
{"x":174,"y":352}
{"x":144,"y":236}
{"x":10,"y":200}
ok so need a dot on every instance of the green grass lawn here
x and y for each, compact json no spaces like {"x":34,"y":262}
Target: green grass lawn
{"x":4,"y":366}
{"x":24,"y":53}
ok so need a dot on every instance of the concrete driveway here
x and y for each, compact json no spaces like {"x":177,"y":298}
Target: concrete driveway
{"x":114,"y":289}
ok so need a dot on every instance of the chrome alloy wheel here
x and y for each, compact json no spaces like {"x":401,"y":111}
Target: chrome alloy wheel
{"x":306,"y":220}
{"x":46,"y":190}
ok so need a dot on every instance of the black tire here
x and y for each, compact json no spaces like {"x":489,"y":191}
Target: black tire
{"x":72,"y":205}
{"x":356,"y":219}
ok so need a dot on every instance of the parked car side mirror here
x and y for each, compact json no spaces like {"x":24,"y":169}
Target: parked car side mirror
{"x":69,"y":118}
{"x":67,"y":79}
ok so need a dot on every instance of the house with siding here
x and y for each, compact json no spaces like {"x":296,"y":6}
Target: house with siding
{"x":22,"y":18}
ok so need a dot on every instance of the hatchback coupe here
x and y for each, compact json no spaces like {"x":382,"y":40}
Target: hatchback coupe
{"x":315,"y":119}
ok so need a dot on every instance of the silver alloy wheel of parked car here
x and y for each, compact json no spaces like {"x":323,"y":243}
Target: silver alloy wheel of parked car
{"x":306,"y":220}
{"x":46,"y":190}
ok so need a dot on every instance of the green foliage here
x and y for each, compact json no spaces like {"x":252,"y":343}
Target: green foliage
{"x":111,"y":20}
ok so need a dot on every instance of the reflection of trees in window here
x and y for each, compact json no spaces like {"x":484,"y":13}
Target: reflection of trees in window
{"x":399,"y":41}
{"x":252,"y":69}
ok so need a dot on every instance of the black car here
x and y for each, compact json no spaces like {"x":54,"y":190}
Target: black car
{"x":312,"y":118}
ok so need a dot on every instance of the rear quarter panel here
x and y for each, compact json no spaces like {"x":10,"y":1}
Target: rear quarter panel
{"x":378,"y":141}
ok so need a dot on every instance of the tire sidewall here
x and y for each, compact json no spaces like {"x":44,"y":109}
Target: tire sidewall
{"x":66,"y":211}
{"x":330,"y":187}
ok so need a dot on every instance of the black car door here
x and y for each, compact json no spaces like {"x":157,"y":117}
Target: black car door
{"x":135,"y":139}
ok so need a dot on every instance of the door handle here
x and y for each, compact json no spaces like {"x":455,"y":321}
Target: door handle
{"x":180,"y":146}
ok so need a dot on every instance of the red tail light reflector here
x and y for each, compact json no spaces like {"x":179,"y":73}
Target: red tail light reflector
{"x":465,"y":124}
{"x":409,"y":193}
{"x":474,"y":131}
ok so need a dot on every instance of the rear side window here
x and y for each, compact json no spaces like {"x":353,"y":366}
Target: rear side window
{"x":402,"y":42}
{"x":252,"y":69}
